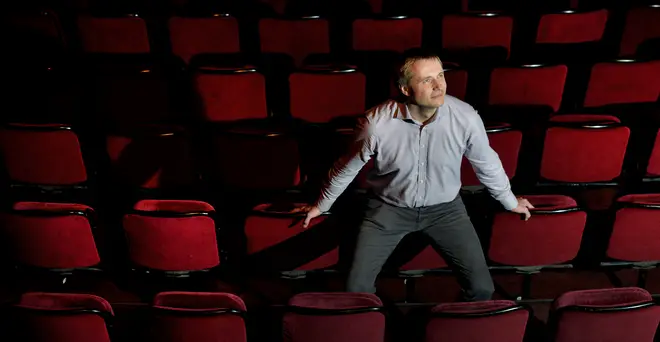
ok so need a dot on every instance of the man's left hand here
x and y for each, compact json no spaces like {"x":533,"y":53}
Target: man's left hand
{"x":523,"y":208}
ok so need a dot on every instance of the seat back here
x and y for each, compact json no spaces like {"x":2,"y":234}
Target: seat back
{"x":172,"y":235}
{"x":272,"y":232}
{"x":634,"y":235}
{"x":465,"y":31}
{"x":114,"y":35}
{"x":536,"y":85}
{"x":62,"y":317}
{"x":505,"y":141}
{"x":198,"y":316}
{"x":42,"y":154}
{"x":568,"y":27}
{"x":319,"y":96}
{"x":498,"y":320}
{"x":390,"y":34}
{"x":295,"y":38}
{"x":621,"y":82}
{"x":553,"y":237}
{"x":350,"y":316}
{"x":602,"y":140}
{"x":607,"y":315}
{"x":213,"y":35}
{"x":641,"y":25}
{"x":50,"y":235}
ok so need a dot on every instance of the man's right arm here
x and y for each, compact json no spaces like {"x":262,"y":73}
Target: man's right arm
{"x":347,"y":167}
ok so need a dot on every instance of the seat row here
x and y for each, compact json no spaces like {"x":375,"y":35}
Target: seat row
{"x":43,"y":156}
{"x":299,"y":38}
{"x":173,"y":238}
{"x":146,"y":94}
{"x":620,"y":314}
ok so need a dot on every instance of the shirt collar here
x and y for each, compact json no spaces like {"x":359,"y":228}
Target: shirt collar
{"x":404,"y":114}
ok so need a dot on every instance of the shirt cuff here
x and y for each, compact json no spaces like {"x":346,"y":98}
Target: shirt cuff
{"x":324,"y":205}
{"x":509,"y":201}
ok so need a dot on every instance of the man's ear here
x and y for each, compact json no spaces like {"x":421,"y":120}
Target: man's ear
{"x":405,"y":90}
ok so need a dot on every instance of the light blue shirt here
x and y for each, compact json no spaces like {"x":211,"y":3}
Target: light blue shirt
{"x":419,"y":165}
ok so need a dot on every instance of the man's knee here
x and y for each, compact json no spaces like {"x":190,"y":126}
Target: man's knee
{"x":479,"y":291}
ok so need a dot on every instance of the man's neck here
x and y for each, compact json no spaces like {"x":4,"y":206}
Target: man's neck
{"x":421,"y":114}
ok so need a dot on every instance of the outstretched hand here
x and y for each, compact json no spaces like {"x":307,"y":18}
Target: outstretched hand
{"x":523,"y":208}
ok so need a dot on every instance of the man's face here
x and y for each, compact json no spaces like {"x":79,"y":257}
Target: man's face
{"x":427,"y":86}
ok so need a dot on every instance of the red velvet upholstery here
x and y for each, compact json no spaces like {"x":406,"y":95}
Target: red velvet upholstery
{"x":40,"y":326}
{"x":387,"y":35}
{"x":267,"y":232}
{"x":427,"y":259}
{"x":635,"y":235}
{"x":174,"y":243}
{"x":641,"y":24}
{"x":464,"y":32}
{"x":542,"y":85}
{"x":257,"y":161}
{"x":623,"y":82}
{"x":572,"y":27}
{"x":653,"y":168}
{"x":219,"y":94}
{"x":638,"y":324}
{"x":364,"y":327}
{"x":113,"y":35}
{"x":599,"y":158}
{"x":322,"y":97}
{"x":44,"y":157}
{"x":504,"y":327}
{"x":178,"y":319}
{"x":56,"y":241}
{"x":457,"y":81}
{"x":507,"y":145}
{"x":296,"y":38}
{"x":193,"y":36}
{"x":151,"y":161}
{"x":545,"y":240}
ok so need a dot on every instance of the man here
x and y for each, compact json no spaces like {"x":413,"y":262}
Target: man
{"x":417,"y":148}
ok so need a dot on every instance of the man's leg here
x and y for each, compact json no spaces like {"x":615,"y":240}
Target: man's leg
{"x":449,"y":226}
{"x":380,"y":232}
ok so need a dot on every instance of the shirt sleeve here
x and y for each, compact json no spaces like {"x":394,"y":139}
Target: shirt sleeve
{"x":347,"y":167}
{"x":487,"y":165}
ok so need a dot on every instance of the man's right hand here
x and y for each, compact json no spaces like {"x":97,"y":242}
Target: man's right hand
{"x":312,"y":212}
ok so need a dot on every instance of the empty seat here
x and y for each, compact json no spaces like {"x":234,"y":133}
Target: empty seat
{"x":641,"y":25}
{"x":653,"y":165}
{"x":42,"y":154}
{"x":528,"y":92}
{"x":551,"y":239}
{"x":151,"y":158}
{"x":255,"y":159}
{"x":350,"y":317}
{"x":320,"y":95}
{"x":296,"y":39}
{"x":114,"y":35}
{"x":198,"y":316}
{"x":477,"y":38}
{"x":497,"y":320}
{"x":623,"y":82}
{"x":272,"y":232}
{"x":570,"y":37}
{"x":506,"y":141}
{"x":172,"y":236}
{"x":54,"y":236}
{"x":229,"y":94}
{"x":607,"y":315}
{"x":62,"y":317}
{"x":192,"y":36}
{"x":388,"y":34}
{"x":634,"y":235}
{"x":602,"y":140}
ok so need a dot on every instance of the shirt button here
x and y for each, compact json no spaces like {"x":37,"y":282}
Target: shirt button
{"x":421,"y":181}
{"x":422,"y":163}
{"x":422,"y":146}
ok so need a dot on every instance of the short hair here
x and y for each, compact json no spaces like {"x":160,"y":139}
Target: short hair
{"x":408,"y":59}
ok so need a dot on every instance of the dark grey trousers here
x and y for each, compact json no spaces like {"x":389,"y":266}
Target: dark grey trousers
{"x":447,"y":224}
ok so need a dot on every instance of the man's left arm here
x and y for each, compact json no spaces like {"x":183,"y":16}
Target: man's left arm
{"x":487,"y":164}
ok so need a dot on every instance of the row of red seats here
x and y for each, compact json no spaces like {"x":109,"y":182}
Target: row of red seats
{"x":130,"y":95}
{"x":606,"y":315}
{"x":190,"y":36}
{"x":175,"y":237}
{"x":51,"y":155}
